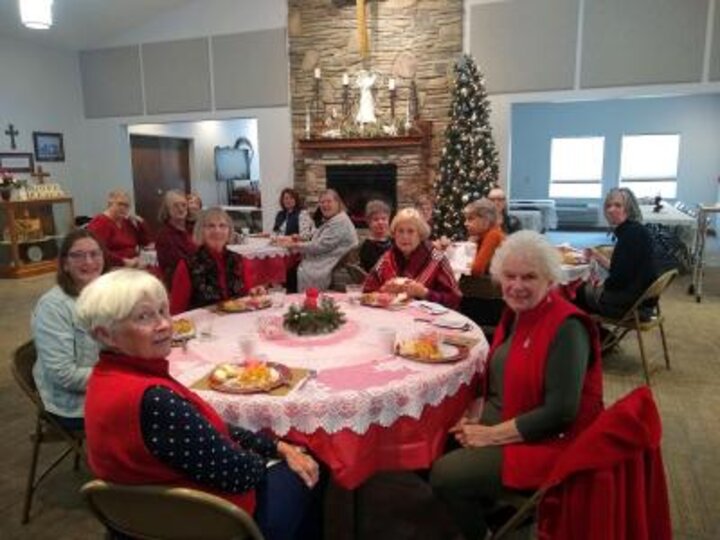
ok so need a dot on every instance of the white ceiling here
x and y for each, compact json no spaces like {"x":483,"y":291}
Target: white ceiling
{"x":83,"y":24}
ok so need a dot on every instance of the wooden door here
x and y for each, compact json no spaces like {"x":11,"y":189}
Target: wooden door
{"x":159,"y":164}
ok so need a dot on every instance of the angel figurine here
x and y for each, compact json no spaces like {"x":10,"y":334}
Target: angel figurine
{"x":366,"y":111}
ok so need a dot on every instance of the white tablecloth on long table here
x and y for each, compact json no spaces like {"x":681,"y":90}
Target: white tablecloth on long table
{"x":683,"y":224}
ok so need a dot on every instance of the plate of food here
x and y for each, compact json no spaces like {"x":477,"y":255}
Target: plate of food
{"x":572,"y":256}
{"x":246,"y":303}
{"x":452,"y":322}
{"x":430,"y":350}
{"x":251,"y":377}
{"x":183,"y":329}
{"x":384,"y":299}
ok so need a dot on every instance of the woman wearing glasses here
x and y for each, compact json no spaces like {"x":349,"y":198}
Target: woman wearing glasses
{"x":213,"y":273}
{"x":509,"y":224}
{"x":66,"y":353}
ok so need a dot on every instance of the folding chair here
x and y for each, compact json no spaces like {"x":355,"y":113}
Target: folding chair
{"x":167,"y":513}
{"x":482,"y":301}
{"x":615,"y":468}
{"x":47,"y":429}
{"x":636,"y":319}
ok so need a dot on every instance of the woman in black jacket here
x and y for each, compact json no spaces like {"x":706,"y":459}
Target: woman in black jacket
{"x":630,"y":268}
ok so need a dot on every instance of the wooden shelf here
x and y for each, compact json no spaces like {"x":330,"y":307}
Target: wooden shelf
{"x":359,"y":144}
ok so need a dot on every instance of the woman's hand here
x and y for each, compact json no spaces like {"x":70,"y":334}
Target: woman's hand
{"x":595,"y":255}
{"x":473,"y":435}
{"x":258,"y":290}
{"x":300,"y":463}
{"x":415,"y":289}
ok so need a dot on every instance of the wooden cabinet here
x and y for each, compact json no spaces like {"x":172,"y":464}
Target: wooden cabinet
{"x":31,"y":235}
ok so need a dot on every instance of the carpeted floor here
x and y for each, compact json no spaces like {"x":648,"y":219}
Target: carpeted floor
{"x":399,"y":506}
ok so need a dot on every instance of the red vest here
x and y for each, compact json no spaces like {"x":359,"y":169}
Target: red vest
{"x":116,"y":450}
{"x":526,"y":465}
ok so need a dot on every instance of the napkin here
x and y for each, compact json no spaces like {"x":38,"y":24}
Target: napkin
{"x":430,"y":307}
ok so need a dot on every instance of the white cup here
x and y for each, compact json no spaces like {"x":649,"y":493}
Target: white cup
{"x":277,"y":296}
{"x":353,"y":292}
{"x":247,"y":341}
{"x":387,"y":336}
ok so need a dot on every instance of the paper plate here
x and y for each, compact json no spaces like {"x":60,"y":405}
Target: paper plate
{"x":280,"y":374}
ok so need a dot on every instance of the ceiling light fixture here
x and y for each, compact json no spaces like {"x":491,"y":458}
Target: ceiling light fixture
{"x":36,"y":14}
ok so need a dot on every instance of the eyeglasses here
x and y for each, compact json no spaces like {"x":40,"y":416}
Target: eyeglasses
{"x":84,"y":255}
{"x":497,"y":198}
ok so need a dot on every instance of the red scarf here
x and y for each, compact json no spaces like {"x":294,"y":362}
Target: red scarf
{"x":527,"y":464}
{"x":116,"y":450}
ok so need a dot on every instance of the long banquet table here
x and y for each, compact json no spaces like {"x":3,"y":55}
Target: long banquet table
{"x":366,"y":410}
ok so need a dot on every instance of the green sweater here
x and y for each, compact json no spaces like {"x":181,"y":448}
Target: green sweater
{"x":567,"y":362}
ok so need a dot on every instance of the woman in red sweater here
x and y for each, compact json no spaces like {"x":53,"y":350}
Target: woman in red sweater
{"x":122,"y":234}
{"x":542,"y":387}
{"x":173,"y":242}
{"x":144,"y":427}
{"x":213,"y":273}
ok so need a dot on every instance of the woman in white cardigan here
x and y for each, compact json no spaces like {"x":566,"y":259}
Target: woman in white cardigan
{"x":333,"y":239}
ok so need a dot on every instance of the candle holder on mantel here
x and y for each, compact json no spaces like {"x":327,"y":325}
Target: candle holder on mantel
{"x":345,"y":101}
{"x":393,"y":97}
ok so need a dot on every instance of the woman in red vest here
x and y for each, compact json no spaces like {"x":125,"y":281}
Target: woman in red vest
{"x":542,"y":387}
{"x":144,"y":427}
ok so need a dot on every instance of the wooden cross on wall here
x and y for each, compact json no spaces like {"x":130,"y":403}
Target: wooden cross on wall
{"x":12,"y":133}
{"x":40,"y":175}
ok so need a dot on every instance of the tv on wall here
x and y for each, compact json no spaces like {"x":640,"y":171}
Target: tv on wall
{"x":232,"y":163}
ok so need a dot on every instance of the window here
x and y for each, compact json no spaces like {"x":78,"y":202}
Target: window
{"x":649,"y":164}
{"x":576,"y":166}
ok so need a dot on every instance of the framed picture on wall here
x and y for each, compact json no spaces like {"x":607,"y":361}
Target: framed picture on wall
{"x":17,"y":162}
{"x":48,"y":146}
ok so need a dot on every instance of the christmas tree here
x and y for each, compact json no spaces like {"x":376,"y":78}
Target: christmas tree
{"x":469,"y":162}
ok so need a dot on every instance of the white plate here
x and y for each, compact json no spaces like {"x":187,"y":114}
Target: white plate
{"x":451,"y":321}
{"x":35,"y":253}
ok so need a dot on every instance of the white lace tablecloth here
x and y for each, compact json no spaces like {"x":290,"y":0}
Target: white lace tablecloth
{"x":530,"y":220}
{"x":258,"y":248}
{"x":358,"y":384}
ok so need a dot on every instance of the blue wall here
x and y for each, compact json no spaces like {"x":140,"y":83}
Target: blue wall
{"x":695,"y":118}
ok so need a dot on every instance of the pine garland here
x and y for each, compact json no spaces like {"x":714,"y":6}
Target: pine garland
{"x":469,"y":161}
{"x":324,"y":319}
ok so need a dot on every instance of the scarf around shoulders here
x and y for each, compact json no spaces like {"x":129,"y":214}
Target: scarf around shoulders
{"x":205,"y":280}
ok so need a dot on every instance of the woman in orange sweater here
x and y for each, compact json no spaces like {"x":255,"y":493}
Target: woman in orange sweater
{"x":481,"y":224}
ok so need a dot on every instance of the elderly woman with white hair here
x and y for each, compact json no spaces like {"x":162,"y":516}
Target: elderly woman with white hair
{"x":212,"y":273}
{"x":144,"y":427}
{"x":412,"y":265}
{"x":121,"y":233}
{"x":543,"y":386}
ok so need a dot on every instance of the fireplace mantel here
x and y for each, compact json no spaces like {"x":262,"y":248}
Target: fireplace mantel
{"x":420,"y":140}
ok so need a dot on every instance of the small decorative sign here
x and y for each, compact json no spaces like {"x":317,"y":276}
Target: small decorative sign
{"x":16,"y":162}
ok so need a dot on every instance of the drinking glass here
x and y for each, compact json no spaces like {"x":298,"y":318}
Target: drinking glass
{"x":277,"y":296}
{"x":387,"y":337}
{"x":247,"y":341}
{"x":353,"y":292}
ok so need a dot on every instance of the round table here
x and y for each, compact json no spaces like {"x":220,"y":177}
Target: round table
{"x":263,"y":263}
{"x":366,"y":410}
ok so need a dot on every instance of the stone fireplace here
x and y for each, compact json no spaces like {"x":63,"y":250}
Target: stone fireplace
{"x":359,"y":183}
{"x":411,"y":41}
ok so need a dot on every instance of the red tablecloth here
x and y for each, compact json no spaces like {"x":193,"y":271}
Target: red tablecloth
{"x":408,"y":444}
{"x":269,"y":270}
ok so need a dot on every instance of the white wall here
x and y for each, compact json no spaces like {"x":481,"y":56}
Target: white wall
{"x":501,"y":104}
{"x":108,"y":138}
{"x":40,"y":91}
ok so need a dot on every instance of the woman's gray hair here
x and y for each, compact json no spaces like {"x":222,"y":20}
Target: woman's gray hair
{"x":335,"y":195}
{"x":411,"y":215}
{"x":376,"y":206}
{"x":112,"y":297}
{"x":116,"y":195}
{"x":632,"y":208}
{"x":534,"y":248}
{"x":482,"y":208}
{"x":204,"y":216}
{"x":164,"y":212}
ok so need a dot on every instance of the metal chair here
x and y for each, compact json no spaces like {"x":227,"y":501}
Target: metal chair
{"x":167,"y":513}
{"x":635,"y":319}
{"x":47,"y":429}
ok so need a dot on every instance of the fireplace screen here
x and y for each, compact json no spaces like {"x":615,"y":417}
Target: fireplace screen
{"x":358,"y":184}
